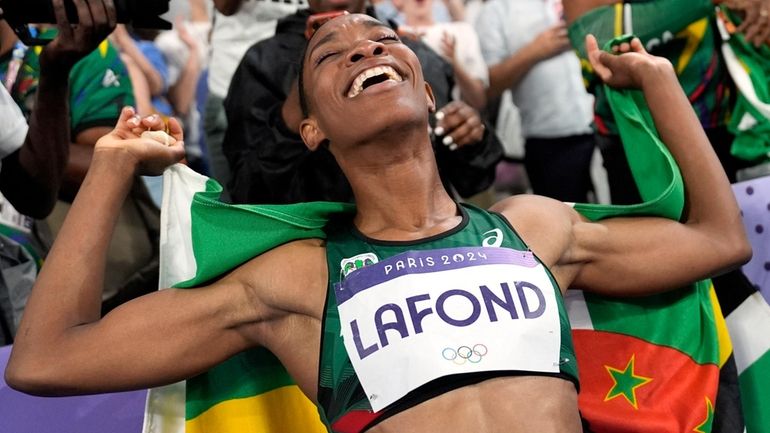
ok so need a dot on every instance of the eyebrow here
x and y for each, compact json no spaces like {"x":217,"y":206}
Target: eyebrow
{"x":369,"y":24}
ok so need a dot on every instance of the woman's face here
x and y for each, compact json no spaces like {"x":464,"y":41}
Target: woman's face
{"x":360,"y":80}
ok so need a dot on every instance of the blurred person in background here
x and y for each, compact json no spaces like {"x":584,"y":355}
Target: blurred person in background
{"x":238,"y":24}
{"x":457,"y":42}
{"x":35,"y":151}
{"x":526,"y":47}
{"x":685,"y":33}
{"x":444,"y":11}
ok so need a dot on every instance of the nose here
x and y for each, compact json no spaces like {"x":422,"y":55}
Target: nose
{"x":365,"y":49}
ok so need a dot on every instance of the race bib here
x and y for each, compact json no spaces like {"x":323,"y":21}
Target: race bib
{"x":422,"y":315}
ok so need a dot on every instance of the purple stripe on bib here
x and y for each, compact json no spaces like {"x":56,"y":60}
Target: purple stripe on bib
{"x":427,"y":261}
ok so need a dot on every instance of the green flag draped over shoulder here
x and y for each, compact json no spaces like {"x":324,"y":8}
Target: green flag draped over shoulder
{"x":251,"y":393}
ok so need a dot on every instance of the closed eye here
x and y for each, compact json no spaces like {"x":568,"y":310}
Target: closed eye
{"x":323,"y":57}
{"x":391,"y":38}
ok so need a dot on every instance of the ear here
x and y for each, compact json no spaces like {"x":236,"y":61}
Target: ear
{"x":311,"y":134}
{"x":430,"y":98}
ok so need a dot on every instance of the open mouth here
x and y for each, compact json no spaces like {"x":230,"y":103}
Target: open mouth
{"x":371,"y":77}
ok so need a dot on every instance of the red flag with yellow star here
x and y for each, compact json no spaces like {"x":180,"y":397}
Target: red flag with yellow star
{"x":649,"y":364}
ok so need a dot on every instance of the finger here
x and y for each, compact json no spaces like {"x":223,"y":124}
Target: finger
{"x":126,"y":119}
{"x":449,"y":122}
{"x":755,"y":26}
{"x":637,"y":46}
{"x":595,"y":56}
{"x":175,"y":129}
{"x":759,"y":31}
{"x":85,"y":22}
{"x":749,"y":20}
{"x":153,"y":122}
{"x":112,"y":14}
{"x":98,"y":13}
{"x":62,"y":22}
{"x":624,"y":47}
{"x":102,"y":28}
{"x":461,"y":136}
{"x":126,"y":113}
{"x":764,"y":35}
{"x":475,"y":135}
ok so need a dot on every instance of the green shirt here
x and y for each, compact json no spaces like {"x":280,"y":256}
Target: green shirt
{"x":341,"y":398}
{"x":99,"y":85}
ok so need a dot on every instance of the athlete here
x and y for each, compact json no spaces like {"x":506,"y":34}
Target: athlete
{"x":451,"y":320}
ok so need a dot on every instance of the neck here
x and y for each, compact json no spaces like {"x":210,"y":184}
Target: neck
{"x":398,"y":191}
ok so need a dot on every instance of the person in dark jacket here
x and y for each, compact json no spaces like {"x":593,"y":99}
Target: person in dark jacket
{"x":268,"y":160}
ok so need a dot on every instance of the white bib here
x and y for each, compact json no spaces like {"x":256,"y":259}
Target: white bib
{"x":422,"y":315}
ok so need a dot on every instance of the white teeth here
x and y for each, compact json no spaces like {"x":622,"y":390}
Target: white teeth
{"x":358,"y":83}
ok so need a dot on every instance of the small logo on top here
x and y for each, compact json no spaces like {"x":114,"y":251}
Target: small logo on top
{"x":357,"y":262}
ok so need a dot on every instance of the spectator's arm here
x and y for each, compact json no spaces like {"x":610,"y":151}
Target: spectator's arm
{"x":127,"y":46}
{"x":141,"y":88}
{"x":198,"y":11}
{"x":509,"y":72}
{"x":182,"y":93}
{"x":80,"y":154}
{"x":472,"y":89}
{"x":32,"y":177}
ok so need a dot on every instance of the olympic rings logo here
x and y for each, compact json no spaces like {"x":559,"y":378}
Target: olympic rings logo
{"x":464,"y":354}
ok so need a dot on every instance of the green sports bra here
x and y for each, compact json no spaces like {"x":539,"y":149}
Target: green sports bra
{"x":343,"y":404}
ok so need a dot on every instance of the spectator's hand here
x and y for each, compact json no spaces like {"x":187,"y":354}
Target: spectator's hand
{"x":552,"y":41}
{"x":458,"y":125}
{"x":628,"y":67}
{"x":449,"y":48}
{"x":756,"y":21}
{"x":97,"y":19}
{"x":146,"y":141}
{"x":120,"y":37}
{"x":184,"y":35}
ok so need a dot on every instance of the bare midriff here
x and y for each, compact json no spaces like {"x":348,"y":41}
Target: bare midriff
{"x":506,"y":404}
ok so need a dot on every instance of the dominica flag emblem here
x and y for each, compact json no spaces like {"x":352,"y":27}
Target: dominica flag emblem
{"x":357,"y":262}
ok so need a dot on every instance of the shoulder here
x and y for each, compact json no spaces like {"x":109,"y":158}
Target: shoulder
{"x":297,"y":255}
{"x":546,"y":225}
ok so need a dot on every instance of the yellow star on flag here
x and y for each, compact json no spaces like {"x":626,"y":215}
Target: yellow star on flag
{"x":625,"y":383}
{"x":705,"y":426}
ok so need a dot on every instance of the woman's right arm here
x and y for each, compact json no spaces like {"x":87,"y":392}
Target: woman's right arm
{"x":64,"y":346}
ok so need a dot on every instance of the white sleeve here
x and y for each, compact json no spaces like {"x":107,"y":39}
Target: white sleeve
{"x":13,"y":126}
{"x":490,"y":29}
{"x":470,"y":53}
